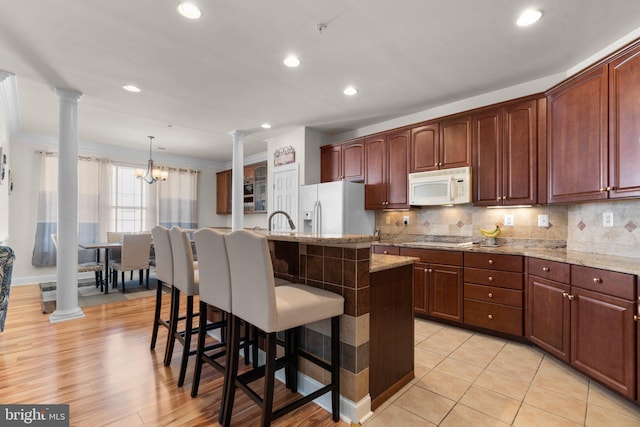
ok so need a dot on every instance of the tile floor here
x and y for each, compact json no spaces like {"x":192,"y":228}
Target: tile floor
{"x":468,"y":379}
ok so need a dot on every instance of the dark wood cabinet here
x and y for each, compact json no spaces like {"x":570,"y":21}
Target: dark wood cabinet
{"x":254,"y":189}
{"x":577,"y":147}
{"x":455,"y":142}
{"x":437,"y":283}
{"x":505,"y":155}
{"x":493,"y":292}
{"x":386,"y":169}
{"x":548,"y":316}
{"x":342,"y":161}
{"x":223,"y":192}
{"x":425,"y":148}
{"x":391,"y":350}
{"x":603,"y":328}
{"x":385,"y":249}
{"x":624,"y":125}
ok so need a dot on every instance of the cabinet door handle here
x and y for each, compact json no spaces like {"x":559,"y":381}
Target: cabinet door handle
{"x":426,"y":270}
{"x":491,"y":278}
{"x":571,"y":297}
{"x":490,"y":316}
{"x":565,"y":294}
{"x":490,"y":295}
{"x":490,"y":261}
{"x":597,"y":280}
{"x":602,"y":189}
{"x":430,"y":270}
{"x":635,"y":317}
{"x":545,"y":269}
{"x":385,"y":252}
{"x":609,"y":188}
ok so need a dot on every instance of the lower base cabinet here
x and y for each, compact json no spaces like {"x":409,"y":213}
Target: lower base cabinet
{"x":587,"y":320}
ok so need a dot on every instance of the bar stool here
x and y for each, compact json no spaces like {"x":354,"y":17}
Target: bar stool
{"x":164,"y":275}
{"x":215,"y":290}
{"x":256,"y":300}
{"x":186,"y":280}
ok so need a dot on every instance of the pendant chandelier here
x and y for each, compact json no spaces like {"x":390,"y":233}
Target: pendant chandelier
{"x":153,"y":173}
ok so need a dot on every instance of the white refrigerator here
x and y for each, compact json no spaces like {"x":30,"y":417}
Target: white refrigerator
{"x":335,"y":208}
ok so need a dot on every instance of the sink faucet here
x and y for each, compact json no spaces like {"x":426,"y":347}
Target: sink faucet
{"x":291,"y":224}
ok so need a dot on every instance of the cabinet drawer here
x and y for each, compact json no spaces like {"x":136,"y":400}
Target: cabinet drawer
{"x":387,"y":250}
{"x":612,"y":283}
{"x":493,"y":316}
{"x":494,"y":261}
{"x":552,"y":270}
{"x":434,"y":256}
{"x":501,"y":279}
{"x":493,"y":295}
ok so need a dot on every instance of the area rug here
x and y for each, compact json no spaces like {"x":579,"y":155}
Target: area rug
{"x":89,"y":295}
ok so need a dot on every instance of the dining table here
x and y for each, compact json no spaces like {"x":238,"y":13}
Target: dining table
{"x":107,"y":246}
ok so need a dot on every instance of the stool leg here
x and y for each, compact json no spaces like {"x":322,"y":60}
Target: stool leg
{"x":269,"y":379}
{"x":187,"y":340}
{"x":123,"y":280}
{"x":229,"y":390}
{"x":202,"y":331}
{"x":246,"y":342}
{"x":335,"y":368}
{"x":173,"y":325}
{"x":294,"y":345}
{"x":254,"y":345}
{"x":156,"y":315}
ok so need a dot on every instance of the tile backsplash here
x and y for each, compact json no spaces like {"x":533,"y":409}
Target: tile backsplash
{"x":579,"y":226}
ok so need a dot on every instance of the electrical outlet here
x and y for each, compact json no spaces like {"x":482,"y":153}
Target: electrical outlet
{"x":508,"y":219}
{"x":607,"y":219}
{"x":543,"y":221}
{"x":405,"y":219}
{"x":387,"y":219}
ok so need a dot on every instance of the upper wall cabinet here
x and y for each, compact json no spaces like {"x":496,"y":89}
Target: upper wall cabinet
{"x":594,"y":130}
{"x":425,"y":148}
{"x":386,"y":169}
{"x":441,"y":145}
{"x":624,"y":124}
{"x":254,"y":189}
{"x":577,"y":154}
{"x":342,"y":161}
{"x":505,"y":155}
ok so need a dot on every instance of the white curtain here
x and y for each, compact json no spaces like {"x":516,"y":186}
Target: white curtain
{"x":176,"y":199}
{"x":94,"y":189}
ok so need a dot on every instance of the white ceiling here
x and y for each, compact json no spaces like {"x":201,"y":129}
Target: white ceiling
{"x":224,"y":72}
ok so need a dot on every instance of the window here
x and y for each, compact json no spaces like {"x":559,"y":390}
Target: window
{"x":128,"y":200}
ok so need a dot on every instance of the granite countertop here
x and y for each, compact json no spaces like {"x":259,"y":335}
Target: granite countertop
{"x":381,"y":262}
{"x":320,"y":239}
{"x":606,"y":262}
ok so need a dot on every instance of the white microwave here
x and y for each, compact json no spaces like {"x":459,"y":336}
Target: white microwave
{"x":440,"y":187}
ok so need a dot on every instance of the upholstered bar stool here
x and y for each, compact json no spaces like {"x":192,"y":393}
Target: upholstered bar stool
{"x":256,"y":300}
{"x":164,"y":275}
{"x":186,"y":280}
{"x":215,"y":290}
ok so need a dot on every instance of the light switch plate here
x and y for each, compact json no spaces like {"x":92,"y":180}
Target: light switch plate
{"x":405,"y":220}
{"x":607,"y":219}
{"x":508,"y":219}
{"x":543,"y":221}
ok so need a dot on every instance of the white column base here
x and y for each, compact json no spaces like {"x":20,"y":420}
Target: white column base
{"x":63,"y":315}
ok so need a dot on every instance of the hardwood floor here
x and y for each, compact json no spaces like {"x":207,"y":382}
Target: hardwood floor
{"x":102,"y":367}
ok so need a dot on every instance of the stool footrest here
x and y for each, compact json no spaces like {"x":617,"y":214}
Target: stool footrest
{"x":302,"y":401}
{"x":313,"y":358}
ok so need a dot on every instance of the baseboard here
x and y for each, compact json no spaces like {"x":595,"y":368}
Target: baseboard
{"x":34,"y":280}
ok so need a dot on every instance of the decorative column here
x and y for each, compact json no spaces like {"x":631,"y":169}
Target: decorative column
{"x":67,"y":259}
{"x":237,"y":183}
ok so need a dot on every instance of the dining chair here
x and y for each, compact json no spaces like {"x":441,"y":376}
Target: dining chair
{"x":256,"y":300}
{"x":135,"y":256}
{"x":85,"y":267}
{"x":186,"y":279}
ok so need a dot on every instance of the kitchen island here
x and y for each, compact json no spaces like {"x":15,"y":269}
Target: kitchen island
{"x":343,"y":264}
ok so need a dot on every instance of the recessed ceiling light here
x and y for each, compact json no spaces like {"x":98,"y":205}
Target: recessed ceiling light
{"x":292,"y":61}
{"x":265,"y":126}
{"x":131,"y":88}
{"x":528,"y":17}
{"x":189,"y":10}
{"x":350,"y":91}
